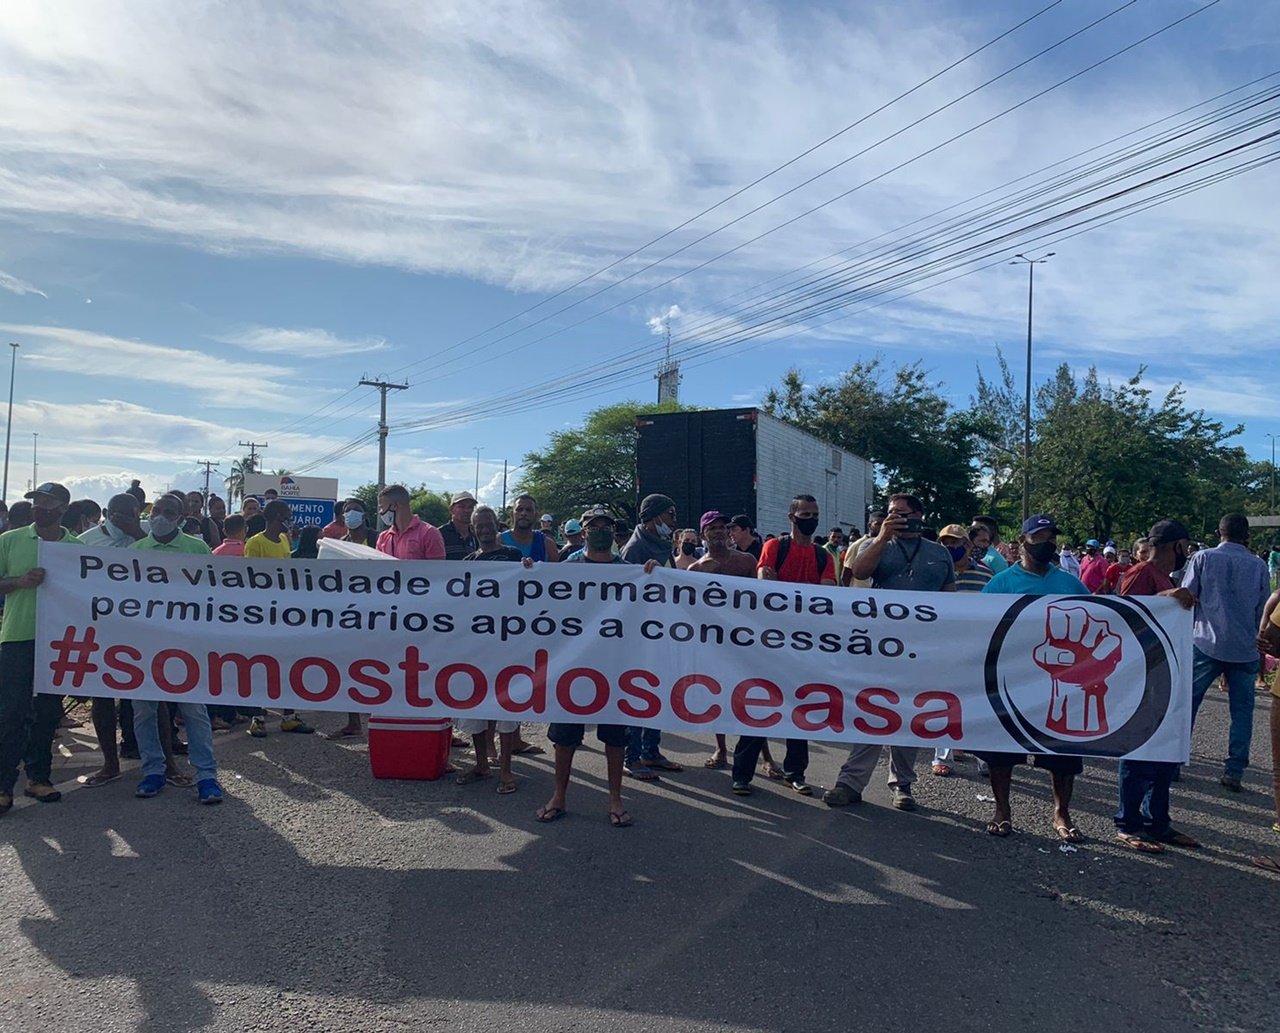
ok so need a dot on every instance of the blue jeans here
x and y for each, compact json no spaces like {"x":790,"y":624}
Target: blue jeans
{"x":199,"y":738}
{"x":642,"y":744}
{"x":1144,"y":797}
{"x":1205,"y":669}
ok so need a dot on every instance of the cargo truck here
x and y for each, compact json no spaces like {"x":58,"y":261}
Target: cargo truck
{"x":746,"y":461}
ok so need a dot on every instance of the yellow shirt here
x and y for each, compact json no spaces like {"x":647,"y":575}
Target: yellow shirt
{"x":263,"y":548}
{"x":1275,"y":678}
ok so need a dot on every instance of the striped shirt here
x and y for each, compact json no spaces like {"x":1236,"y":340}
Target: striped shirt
{"x":975,"y":578}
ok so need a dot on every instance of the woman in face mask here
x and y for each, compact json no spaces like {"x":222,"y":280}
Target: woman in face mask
{"x":686,"y":550}
{"x":356,"y":520}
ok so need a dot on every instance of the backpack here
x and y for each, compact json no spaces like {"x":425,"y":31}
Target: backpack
{"x":784,"y":546}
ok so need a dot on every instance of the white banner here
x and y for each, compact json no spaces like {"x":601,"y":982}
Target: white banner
{"x":1094,"y":676}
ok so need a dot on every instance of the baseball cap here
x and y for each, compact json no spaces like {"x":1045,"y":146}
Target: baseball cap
{"x":1165,"y":532}
{"x":1110,"y":550}
{"x":572,"y":527}
{"x":463,"y":496}
{"x":1040,"y":522}
{"x":955,"y":531}
{"x":53,"y":488}
{"x":594,"y":513}
{"x":743,"y":521}
{"x":711,"y":516}
{"x":547,"y":518}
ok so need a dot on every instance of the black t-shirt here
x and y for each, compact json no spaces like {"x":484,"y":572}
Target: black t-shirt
{"x":457,"y":547}
{"x":502,"y":552}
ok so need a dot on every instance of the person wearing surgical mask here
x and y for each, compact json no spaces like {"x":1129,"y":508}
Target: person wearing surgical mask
{"x":406,"y":536}
{"x":355,"y":522}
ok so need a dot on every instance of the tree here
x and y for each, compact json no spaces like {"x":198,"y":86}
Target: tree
{"x":235,"y":479}
{"x":899,"y":421}
{"x":997,"y":411}
{"x":593,"y":464}
{"x":1108,"y":462}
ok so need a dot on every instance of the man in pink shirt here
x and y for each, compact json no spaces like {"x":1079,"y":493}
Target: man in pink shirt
{"x":233,"y":532}
{"x":407,"y":537}
{"x":1093,"y":565}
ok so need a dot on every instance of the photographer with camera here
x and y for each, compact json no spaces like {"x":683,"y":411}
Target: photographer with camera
{"x":900,"y":559}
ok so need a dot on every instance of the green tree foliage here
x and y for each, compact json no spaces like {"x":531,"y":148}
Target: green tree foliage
{"x":594,"y":463}
{"x":898,"y":420}
{"x":996,"y":408}
{"x":235,"y":479}
{"x":1108,"y":461}
{"x":431,"y":506}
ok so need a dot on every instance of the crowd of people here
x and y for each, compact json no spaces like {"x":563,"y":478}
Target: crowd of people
{"x":1228,"y":588}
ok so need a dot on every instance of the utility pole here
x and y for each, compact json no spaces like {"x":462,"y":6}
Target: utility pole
{"x":1031,"y":264}
{"x":209,"y":467}
{"x":504,"y":490}
{"x":253,"y":447}
{"x":383,"y":387}
{"x":8,"y":427}
{"x":478,"y":450}
{"x":35,"y":465}
{"x":1273,"y":472}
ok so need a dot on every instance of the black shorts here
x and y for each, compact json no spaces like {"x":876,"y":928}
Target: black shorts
{"x":571,"y":735}
{"x":1051,"y":762}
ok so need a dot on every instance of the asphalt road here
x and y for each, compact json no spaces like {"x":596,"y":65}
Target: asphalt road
{"x":317,"y":898}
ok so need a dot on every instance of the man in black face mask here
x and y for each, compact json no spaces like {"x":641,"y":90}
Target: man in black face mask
{"x":28,"y":720}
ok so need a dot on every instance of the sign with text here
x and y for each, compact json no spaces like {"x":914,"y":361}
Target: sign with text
{"x":1093,"y":676}
{"x":289,"y":487}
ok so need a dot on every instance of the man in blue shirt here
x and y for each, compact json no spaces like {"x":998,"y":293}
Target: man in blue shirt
{"x":1035,"y":574}
{"x":1229,"y":586}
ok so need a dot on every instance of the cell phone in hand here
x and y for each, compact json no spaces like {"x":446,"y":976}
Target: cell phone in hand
{"x":912,"y":525}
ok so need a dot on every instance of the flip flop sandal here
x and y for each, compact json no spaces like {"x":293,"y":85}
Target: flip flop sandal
{"x":715,"y":763}
{"x":1268,"y":864}
{"x":941,"y":770}
{"x":528,"y":750}
{"x":1138,"y":843}
{"x":663,"y":764}
{"x":546,"y":815}
{"x":772,"y":771}
{"x":97,"y":780}
{"x":1069,"y":834}
{"x":999,"y":828}
{"x":506,"y":788}
{"x":469,"y":777}
{"x":344,"y":733}
{"x":620,"y":819}
{"x":641,"y":774}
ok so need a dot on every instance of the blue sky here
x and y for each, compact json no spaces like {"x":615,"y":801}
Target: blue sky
{"x":212,"y":227}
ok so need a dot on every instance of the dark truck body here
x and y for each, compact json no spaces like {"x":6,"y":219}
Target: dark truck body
{"x":746,"y":461}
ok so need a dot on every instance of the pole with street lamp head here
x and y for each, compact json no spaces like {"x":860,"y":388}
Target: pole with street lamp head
{"x":1031,"y":264}
{"x":8,"y":428}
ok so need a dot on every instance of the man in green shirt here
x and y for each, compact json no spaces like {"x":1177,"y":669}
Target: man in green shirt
{"x":166,"y":535}
{"x":28,"y":720}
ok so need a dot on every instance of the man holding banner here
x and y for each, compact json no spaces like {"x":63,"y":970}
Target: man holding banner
{"x":28,"y":721}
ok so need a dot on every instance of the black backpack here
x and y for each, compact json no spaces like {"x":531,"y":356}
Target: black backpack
{"x":821,"y":555}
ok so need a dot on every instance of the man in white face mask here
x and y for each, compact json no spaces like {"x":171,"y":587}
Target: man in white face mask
{"x":119,"y":529}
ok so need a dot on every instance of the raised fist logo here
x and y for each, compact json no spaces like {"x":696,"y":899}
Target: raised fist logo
{"x":1080,"y":652}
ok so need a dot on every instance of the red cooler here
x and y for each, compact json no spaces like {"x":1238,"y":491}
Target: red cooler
{"x":409,"y":747}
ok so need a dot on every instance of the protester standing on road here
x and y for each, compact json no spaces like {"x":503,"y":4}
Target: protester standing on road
{"x":874,"y":521}
{"x":28,"y":719}
{"x":166,"y":536}
{"x":899,"y":559}
{"x":1035,"y":574}
{"x":1093,"y":565}
{"x":406,"y":536}
{"x":533,"y":544}
{"x":598,"y":522}
{"x":1229,"y":585}
{"x":726,"y":562}
{"x":1143,"y":822}
{"x":798,"y":560}
{"x":744,"y":537}
{"x":459,"y":539}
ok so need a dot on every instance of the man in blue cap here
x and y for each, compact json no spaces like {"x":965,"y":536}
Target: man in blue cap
{"x":1035,"y":574}
{"x":1093,"y":565}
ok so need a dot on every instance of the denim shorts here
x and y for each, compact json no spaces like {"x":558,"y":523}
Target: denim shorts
{"x":572,"y":735}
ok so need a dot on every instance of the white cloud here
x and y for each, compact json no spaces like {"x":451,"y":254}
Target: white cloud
{"x":217,"y":381}
{"x":659,"y":324}
{"x":302,"y":343}
{"x":11,"y":283}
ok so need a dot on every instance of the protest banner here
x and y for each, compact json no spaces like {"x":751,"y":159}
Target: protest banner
{"x":1093,"y":676}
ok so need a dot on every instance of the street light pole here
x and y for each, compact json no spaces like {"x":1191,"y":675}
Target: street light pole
{"x":8,"y":427}
{"x":1031,"y":264}
{"x":35,"y":465}
{"x":478,"y":451}
{"x":1273,"y":472}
